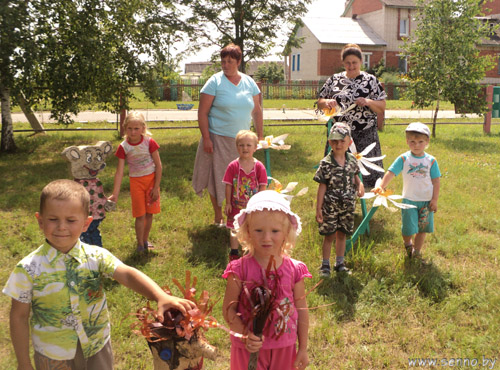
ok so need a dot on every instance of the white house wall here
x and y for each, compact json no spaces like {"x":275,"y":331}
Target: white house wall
{"x":308,"y":56}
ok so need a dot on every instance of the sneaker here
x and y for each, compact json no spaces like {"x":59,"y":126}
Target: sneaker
{"x":341,"y":268}
{"x":324,"y":270}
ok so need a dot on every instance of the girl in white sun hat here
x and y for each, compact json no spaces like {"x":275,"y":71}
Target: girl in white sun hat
{"x":267,"y":230}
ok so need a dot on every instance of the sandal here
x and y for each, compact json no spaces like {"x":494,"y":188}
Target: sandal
{"x":409,"y":250}
{"x":220,"y":224}
{"x":342,"y":268}
{"x":324,"y":270}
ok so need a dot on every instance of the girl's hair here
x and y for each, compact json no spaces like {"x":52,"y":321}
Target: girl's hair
{"x":351,"y":49}
{"x":65,"y":190}
{"x":246,"y":133}
{"x":136,"y":116}
{"x":233,"y":51}
{"x":243,"y":233}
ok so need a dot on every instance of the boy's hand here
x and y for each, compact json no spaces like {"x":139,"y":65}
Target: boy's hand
{"x":27,"y":366}
{"x":302,"y":360}
{"x":361,"y":190}
{"x":433,"y":205}
{"x":113,"y":198}
{"x":378,"y":190}
{"x":319,"y":216}
{"x":167,"y":302}
{"x":253,"y":343}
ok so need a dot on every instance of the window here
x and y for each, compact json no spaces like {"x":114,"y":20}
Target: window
{"x":293,"y":63}
{"x":298,"y":62}
{"x":402,"y":65}
{"x":404,"y":29}
{"x":366,"y":60}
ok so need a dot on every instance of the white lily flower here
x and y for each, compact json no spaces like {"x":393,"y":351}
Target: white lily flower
{"x":382,"y":198}
{"x":272,"y":142}
{"x":276,"y":185}
{"x":364,"y":161}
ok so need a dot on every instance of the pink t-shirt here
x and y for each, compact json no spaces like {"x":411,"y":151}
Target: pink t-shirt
{"x":281,"y":282}
{"x":138,"y":156}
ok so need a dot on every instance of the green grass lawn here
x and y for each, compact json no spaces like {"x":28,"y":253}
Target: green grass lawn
{"x":387,"y":311}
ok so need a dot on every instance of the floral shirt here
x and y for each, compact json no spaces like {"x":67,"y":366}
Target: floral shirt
{"x":244,"y":185}
{"x":66,"y":296}
{"x":346,"y":90}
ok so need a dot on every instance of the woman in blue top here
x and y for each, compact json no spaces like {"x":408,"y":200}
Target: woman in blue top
{"x":228,"y":103}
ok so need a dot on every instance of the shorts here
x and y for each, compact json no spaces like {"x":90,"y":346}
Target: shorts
{"x":140,"y":192}
{"x":338,"y":216}
{"x":275,"y":358}
{"x":102,"y":360}
{"x":416,"y":220}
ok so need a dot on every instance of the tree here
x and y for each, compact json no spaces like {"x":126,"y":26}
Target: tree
{"x":208,"y":71}
{"x":443,"y":55}
{"x":272,"y":72}
{"x":253,"y":25}
{"x":74,"y":53}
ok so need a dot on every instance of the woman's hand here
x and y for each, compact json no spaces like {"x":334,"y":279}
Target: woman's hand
{"x":331,"y":103}
{"x":362,"y":102}
{"x":208,"y":146}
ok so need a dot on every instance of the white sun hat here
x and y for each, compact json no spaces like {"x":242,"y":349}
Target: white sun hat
{"x":268,"y":200}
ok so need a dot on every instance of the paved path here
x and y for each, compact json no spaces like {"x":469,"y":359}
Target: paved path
{"x":269,"y":114}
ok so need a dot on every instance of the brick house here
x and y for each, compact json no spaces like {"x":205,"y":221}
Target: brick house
{"x":195,"y":69}
{"x":378,"y":27}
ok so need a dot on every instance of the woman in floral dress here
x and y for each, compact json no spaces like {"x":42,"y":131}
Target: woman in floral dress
{"x":354,"y":86}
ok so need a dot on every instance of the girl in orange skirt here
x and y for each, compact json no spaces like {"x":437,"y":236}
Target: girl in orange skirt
{"x":140,"y":151}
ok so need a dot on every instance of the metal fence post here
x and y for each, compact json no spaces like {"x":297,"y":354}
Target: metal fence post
{"x":487,"y":116}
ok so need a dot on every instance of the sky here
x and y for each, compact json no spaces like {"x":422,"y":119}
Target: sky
{"x":316,"y":8}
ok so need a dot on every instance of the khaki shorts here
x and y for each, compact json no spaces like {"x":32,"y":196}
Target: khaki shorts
{"x":102,"y":360}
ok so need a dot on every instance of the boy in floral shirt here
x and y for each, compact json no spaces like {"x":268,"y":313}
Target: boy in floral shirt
{"x":60,"y":283}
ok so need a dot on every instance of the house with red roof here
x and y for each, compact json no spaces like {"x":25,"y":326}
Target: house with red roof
{"x":378,"y":27}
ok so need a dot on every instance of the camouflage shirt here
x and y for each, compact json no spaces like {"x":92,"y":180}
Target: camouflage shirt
{"x":339,"y":180}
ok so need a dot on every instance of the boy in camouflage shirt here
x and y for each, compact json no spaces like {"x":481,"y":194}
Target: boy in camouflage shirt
{"x":339,"y":184}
